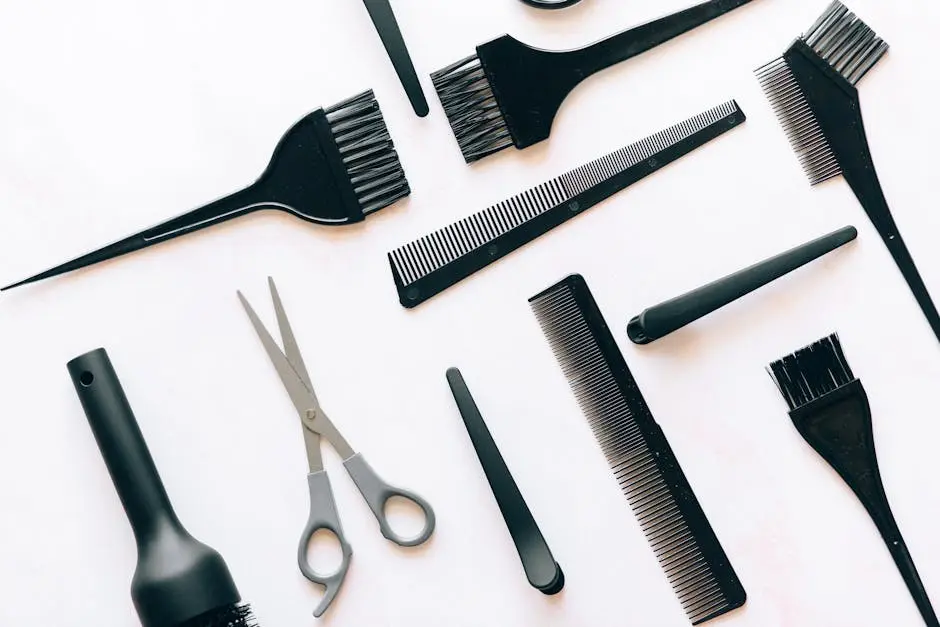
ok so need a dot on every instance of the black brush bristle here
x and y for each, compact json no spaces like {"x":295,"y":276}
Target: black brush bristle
{"x":230,"y":616}
{"x":811,"y":372}
{"x":849,"y":47}
{"x":471,"y":109}
{"x":368,"y":152}
{"x":845,"y":42}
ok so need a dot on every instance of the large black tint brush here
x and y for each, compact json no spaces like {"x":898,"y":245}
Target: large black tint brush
{"x":507,"y":94}
{"x":179,"y":581}
{"x":830,"y":409}
{"x":812,"y":90}
{"x":333,"y":167}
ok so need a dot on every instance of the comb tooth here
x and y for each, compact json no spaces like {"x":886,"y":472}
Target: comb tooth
{"x":798,"y":122}
{"x":676,"y":529}
{"x":847,"y":43}
{"x":471,"y":109}
{"x":368,"y":152}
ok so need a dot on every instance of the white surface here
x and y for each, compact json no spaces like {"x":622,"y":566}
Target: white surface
{"x":116,"y":115}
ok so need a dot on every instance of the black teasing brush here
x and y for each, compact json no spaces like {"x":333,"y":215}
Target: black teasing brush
{"x":830,"y":409}
{"x":812,"y":91}
{"x":637,"y":451}
{"x":333,"y":167}
{"x":508,"y":92}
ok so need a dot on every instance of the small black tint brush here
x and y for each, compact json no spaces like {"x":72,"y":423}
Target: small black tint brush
{"x":507,"y":94}
{"x":812,"y":90}
{"x":830,"y":409}
{"x":333,"y":167}
{"x":179,"y":581}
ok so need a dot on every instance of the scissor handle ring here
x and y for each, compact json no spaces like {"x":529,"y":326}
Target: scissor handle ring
{"x":323,"y":517}
{"x":377,"y":493}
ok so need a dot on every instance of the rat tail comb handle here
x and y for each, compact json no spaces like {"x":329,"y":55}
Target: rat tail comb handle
{"x":830,"y":409}
{"x":507,"y":94}
{"x":659,"y":321}
{"x":333,"y":167}
{"x":179,"y":581}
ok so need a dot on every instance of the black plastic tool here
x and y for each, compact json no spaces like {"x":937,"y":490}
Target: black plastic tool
{"x":333,"y":167}
{"x":812,"y":90}
{"x":551,"y":4}
{"x":507,"y":94}
{"x":179,"y":581}
{"x":830,"y":409}
{"x":435,"y":262}
{"x":385,"y":23}
{"x":541,"y":569}
{"x":661,"y":320}
{"x":637,"y":451}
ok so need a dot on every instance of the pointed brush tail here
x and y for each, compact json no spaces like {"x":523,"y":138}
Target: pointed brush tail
{"x":226,"y":208}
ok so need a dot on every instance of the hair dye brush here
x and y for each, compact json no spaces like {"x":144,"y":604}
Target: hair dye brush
{"x":179,"y":581}
{"x":335,"y":166}
{"x":829,"y":407}
{"x":507,"y":94}
{"x":812,"y":90}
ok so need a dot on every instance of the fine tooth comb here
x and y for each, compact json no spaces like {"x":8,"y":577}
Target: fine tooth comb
{"x":637,"y":451}
{"x":507,"y":94}
{"x":812,"y":90}
{"x":435,"y":262}
{"x":333,"y":167}
{"x":829,"y":408}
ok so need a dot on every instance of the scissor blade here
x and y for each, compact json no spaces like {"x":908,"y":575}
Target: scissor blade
{"x":291,"y":350}
{"x":298,"y":392}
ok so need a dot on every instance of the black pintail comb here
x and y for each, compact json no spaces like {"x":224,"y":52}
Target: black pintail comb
{"x":812,"y":91}
{"x":830,"y":409}
{"x":637,"y":451}
{"x":333,"y":167}
{"x":507,"y":94}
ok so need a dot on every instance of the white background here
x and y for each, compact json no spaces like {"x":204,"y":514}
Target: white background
{"x":117,"y":115}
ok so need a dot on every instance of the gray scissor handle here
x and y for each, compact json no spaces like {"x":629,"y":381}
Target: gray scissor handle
{"x":377,"y":493}
{"x":323,"y":516}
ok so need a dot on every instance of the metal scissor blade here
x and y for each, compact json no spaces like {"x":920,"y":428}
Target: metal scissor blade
{"x":303,"y":400}
{"x":291,"y":350}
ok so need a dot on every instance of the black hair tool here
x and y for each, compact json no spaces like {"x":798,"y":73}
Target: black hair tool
{"x":661,"y":320}
{"x":431,"y":264}
{"x":541,"y":569}
{"x":335,"y":166}
{"x":637,"y":451}
{"x":812,"y":90}
{"x":829,"y":408}
{"x":179,"y":581}
{"x":507,"y":94}
{"x":385,"y":23}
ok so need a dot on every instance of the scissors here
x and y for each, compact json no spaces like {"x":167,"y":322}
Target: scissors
{"x":323,"y":515}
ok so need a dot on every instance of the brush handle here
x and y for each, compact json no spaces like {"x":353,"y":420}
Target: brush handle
{"x":661,"y":320}
{"x":870,"y":195}
{"x":638,"y":40}
{"x":177,"y":577}
{"x":233,"y":206}
{"x":385,"y":23}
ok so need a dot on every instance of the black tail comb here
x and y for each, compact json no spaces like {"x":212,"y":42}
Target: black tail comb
{"x":335,"y":166}
{"x":637,"y":450}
